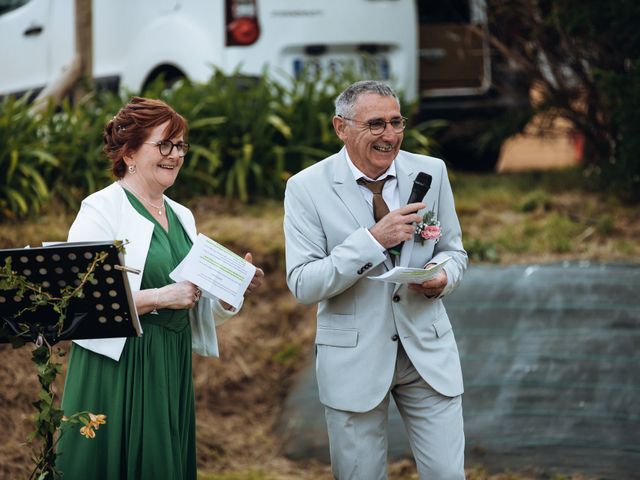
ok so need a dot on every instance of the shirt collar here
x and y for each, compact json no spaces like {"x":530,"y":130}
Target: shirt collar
{"x":391,"y":171}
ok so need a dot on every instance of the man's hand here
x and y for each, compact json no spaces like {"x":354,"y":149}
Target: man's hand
{"x":431,"y":288}
{"x":397,"y":226}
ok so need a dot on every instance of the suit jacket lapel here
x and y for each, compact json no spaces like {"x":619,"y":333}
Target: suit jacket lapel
{"x":349,"y":192}
{"x":406,"y":174}
{"x":347,"y":189}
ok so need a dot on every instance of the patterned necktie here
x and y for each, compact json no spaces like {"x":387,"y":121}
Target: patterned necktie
{"x":380,"y":208}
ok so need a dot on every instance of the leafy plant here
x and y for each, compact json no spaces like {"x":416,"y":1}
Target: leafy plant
{"x":247,"y":136}
{"x":482,"y":250}
{"x":534,"y":200}
{"x":23,"y":161}
{"x":236,"y":134}
{"x":72,"y":134}
{"x":584,"y":64}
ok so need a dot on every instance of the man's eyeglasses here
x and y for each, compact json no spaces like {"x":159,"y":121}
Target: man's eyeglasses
{"x":377,"y":126}
{"x":166,"y":147}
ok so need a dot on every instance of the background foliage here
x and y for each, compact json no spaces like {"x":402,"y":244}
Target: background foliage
{"x":583,"y":60}
{"x":248,"y":136}
{"x":24,"y":161}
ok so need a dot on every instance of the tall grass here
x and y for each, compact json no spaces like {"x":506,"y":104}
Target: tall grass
{"x":542,"y":216}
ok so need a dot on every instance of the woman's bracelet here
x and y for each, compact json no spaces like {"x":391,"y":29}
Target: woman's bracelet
{"x":155,"y":304}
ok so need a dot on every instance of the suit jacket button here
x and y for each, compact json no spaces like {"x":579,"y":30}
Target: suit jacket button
{"x":360,"y":272}
{"x":369,"y":265}
{"x":395,"y":337}
{"x":396,"y":298}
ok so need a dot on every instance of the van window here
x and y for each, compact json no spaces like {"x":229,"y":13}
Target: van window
{"x":8,"y":5}
{"x":451,"y":11}
{"x":454,"y":59}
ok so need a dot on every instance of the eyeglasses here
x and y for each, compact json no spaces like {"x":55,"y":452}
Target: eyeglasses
{"x":377,"y":126}
{"x":166,"y":147}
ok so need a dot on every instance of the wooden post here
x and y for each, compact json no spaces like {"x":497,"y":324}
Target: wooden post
{"x":77,"y":77}
{"x":84,"y":46}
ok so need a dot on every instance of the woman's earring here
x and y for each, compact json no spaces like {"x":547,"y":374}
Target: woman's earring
{"x":132,"y":169}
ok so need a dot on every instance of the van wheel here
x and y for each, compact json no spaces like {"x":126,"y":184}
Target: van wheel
{"x":162,"y":77}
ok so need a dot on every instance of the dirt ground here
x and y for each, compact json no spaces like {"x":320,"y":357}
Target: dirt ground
{"x":239,"y":397}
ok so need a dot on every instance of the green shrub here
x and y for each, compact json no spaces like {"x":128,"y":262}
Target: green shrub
{"x":248,"y":136}
{"x":606,"y":224}
{"x":481,"y":250}
{"x":24,"y":163}
{"x":560,"y":233}
{"x":73,"y":135}
{"x":619,"y":171}
{"x":237,"y":135}
{"x":534,"y":200}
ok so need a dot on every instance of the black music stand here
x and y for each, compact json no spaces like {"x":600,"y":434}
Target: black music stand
{"x":105,"y":310}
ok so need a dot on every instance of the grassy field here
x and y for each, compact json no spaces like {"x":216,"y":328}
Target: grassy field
{"x":505,"y":218}
{"x":516,"y":218}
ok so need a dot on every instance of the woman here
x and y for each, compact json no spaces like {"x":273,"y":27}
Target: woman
{"x":143,"y":385}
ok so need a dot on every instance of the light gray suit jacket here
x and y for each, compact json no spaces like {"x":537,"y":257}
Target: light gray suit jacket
{"x":329,"y":256}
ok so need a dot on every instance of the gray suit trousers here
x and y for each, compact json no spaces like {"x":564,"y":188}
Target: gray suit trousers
{"x":358,"y":441}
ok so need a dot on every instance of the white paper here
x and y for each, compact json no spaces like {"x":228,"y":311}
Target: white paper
{"x":51,"y":244}
{"x":411,"y":275}
{"x":216,"y":270}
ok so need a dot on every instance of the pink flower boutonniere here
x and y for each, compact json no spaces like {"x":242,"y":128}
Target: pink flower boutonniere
{"x":428,"y":228}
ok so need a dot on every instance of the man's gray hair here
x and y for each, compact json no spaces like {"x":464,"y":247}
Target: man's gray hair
{"x":345,"y":103}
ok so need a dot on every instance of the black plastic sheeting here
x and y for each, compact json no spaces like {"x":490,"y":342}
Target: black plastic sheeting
{"x":551,"y":361}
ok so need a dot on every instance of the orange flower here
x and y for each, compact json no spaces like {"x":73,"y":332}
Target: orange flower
{"x":97,"y":420}
{"x":87,"y":431}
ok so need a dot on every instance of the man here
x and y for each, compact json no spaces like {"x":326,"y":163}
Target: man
{"x":376,"y":338}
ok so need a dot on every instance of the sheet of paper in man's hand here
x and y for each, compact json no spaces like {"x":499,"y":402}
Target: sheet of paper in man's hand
{"x":411,"y":275}
{"x":216,"y":270}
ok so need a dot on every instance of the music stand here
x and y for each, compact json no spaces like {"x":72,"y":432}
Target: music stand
{"x":105,"y":310}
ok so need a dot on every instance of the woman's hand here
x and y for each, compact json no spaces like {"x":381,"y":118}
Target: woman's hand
{"x":175,"y":296}
{"x":179,"y":296}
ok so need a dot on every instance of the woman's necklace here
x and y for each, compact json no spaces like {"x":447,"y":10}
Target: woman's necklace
{"x":159,"y":208}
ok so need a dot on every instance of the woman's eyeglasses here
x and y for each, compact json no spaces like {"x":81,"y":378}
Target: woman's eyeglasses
{"x":166,"y":147}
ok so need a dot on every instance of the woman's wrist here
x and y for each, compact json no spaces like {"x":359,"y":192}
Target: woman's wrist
{"x":155,"y":301}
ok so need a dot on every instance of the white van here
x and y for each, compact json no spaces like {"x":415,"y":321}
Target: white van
{"x":134,"y":41}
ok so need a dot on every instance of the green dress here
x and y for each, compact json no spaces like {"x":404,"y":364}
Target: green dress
{"x":147,"y":396}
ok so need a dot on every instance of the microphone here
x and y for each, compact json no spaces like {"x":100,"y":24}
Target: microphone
{"x":421,"y":186}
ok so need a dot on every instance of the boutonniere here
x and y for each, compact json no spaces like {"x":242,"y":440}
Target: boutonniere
{"x":428,"y":228}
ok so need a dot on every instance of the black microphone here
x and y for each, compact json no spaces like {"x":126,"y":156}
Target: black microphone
{"x":421,"y":186}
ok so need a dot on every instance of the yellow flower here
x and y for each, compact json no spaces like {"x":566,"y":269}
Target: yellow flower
{"x":87,"y":431}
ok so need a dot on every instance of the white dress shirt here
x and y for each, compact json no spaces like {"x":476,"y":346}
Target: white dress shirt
{"x":390,"y":190}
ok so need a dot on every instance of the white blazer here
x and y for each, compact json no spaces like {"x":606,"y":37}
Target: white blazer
{"x":108,"y":215}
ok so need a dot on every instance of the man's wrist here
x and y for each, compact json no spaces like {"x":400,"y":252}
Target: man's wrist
{"x":382,"y":249}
